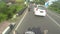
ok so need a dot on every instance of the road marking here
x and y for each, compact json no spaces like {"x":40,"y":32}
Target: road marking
{"x":21,"y":20}
{"x":54,"y":14}
{"x":14,"y":32}
{"x":54,"y":20}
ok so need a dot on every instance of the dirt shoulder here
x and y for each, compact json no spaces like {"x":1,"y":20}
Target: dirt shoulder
{"x":3,"y":26}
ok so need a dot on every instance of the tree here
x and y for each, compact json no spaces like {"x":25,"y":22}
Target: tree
{"x":20,"y":1}
{"x":7,"y":12}
{"x":40,"y":2}
{"x":55,"y":6}
{"x":3,"y":9}
{"x":3,"y":17}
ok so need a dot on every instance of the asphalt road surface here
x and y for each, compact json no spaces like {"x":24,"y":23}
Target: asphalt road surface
{"x":51,"y":22}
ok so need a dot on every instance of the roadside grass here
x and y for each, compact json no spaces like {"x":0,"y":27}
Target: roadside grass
{"x":11,"y":10}
{"x":55,"y":7}
{"x":20,"y":7}
{"x":19,"y":0}
{"x":56,"y":10}
{"x":15,"y":20}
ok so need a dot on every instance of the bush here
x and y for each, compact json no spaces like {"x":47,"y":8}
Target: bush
{"x":19,"y":7}
{"x":20,"y":1}
{"x":3,"y":17}
{"x":2,"y":7}
{"x":55,"y":6}
{"x":40,"y":2}
{"x":12,"y":9}
{"x":8,"y":12}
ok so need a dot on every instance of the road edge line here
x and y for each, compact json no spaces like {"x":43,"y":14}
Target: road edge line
{"x":21,"y":20}
{"x":54,"y":21}
{"x":54,"y":14}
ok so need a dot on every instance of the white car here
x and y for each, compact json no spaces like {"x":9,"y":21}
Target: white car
{"x":40,"y":11}
{"x":29,"y":32}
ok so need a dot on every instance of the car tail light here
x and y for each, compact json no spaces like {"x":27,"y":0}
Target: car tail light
{"x":36,"y":8}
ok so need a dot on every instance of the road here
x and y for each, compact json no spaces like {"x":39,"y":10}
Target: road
{"x":51,"y":22}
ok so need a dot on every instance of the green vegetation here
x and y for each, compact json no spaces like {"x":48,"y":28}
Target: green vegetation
{"x":20,"y":1}
{"x":55,"y":6}
{"x":7,"y":12}
{"x":40,"y":2}
{"x":19,"y":7}
{"x":3,"y":9}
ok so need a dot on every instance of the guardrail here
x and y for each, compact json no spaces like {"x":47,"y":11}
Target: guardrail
{"x":20,"y":12}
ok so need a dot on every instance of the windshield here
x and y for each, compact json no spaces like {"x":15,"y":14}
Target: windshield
{"x":41,"y":7}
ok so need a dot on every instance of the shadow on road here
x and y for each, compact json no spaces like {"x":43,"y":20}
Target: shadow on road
{"x":35,"y":29}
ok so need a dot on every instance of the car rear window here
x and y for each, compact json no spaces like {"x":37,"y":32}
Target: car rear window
{"x":41,"y":7}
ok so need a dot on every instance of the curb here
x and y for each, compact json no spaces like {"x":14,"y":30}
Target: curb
{"x":6,"y":30}
{"x":9,"y":29}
